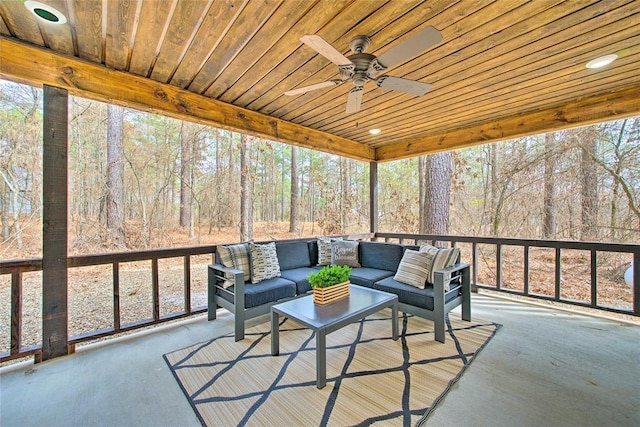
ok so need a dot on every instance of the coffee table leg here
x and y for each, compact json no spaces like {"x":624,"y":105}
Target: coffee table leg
{"x":394,"y":320}
{"x":321,"y":358}
{"x":275,"y":334}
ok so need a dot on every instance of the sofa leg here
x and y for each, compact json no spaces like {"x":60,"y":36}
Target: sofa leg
{"x":439,"y":329}
{"x":239,"y":326}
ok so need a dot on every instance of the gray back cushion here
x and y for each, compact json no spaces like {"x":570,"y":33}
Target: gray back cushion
{"x":385,"y":256}
{"x":293,"y":255}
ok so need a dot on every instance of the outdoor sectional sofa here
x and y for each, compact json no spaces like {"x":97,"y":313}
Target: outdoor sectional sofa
{"x":379,"y":262}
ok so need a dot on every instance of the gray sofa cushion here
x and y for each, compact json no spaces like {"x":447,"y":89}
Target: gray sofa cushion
{"x":300,"y":276}
{"x":410,"y":294}
{"x":364,"y":276}
{"x":265,"y":292}
{"x":382,"y":256}
{"x":293,"y":255}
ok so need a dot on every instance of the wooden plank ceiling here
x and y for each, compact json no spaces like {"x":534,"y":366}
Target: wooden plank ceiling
{"x":504,"y":68}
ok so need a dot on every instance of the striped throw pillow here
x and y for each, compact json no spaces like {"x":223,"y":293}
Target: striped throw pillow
{"x":264,"y":262}
{"x":413,"y":269}
{"x":439,"y":259}
{"x":324,"y":249}
{"x":235,"y":256}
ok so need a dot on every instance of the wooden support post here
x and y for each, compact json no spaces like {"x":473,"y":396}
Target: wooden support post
{"x":373,"y":197}
{"x":54,"y":224}
{"x":16,"y":312}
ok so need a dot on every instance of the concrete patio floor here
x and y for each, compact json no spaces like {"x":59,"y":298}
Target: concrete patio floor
{"x":544,"y":367}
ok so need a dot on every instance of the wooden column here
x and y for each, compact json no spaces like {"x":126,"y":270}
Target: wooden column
{"x":54,"y":224}
{"x":373,"y":197}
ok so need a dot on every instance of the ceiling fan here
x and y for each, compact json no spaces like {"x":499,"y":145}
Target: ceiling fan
{"x":361,"y":67}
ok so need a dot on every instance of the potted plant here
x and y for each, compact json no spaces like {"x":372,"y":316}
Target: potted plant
{"x":330,"y":283}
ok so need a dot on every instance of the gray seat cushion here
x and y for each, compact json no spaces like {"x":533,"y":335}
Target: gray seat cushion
{"x":264,"y":292}
{"x":300,"y":276}
{"x":364,"y":276}
{"x":410,"y":294}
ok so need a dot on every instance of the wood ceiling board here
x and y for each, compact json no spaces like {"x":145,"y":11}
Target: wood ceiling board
{"x":612,"y":105}
{"x":479,"y":70}
{"x":122,"y":18}
{"x":217,"y":23}
{"x":473,"y":51}
{"x":58,"y":37}
{"x":310,"y":23}
{"x":21,"y":22}
{"x":184,"y":25}
{"x":542,"y":101}
{"x":498,"y":59}
{"x":87,"y":19}
{"x":338,"y":25}
{"x":3,"y":28}
{"x":332,"y":111}
{"x":84,"y":79}
{"x":272,"y":33}
{"x":155,"y":17}
{"x":536,"y":76}
{"x":397,"y":14}
{"x":384,"y":23}
{"x":248,"y":25}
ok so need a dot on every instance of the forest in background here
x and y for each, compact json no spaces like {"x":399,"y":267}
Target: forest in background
{"x":185,"y":184}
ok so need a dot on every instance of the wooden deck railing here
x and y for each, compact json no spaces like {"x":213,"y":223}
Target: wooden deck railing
{"x":16,"y":268}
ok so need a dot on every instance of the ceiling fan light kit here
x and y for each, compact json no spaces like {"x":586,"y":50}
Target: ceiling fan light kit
{"x":361,"y":67}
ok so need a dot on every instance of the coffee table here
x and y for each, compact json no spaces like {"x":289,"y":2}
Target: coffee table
{"x":324,"y":319}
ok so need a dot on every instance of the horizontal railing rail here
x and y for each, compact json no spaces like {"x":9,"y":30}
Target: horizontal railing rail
{"x":16,"y":268}
{"x":526,"y":244}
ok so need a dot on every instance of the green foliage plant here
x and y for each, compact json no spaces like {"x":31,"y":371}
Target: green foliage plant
{"x":329,"y":276}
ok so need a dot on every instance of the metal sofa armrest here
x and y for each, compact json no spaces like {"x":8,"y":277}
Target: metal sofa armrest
{"x":446,"y":275}
{"x":235,"y":276}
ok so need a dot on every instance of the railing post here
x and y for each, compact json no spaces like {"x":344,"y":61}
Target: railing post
{"x":636,"y":283}
{"x":16,"y":312}
{"x":116,"y":295}
{"x":499,"y":266}
{"x":474,"y":265}
{"x":525,"y":273}
{"x":594,"y":279}
{"x":187,"y":284}
{"x":558,"y":275}
{"x":155,"y":289}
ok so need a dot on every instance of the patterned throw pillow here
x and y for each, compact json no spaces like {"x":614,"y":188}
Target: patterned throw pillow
{"x":235,"y":256}
{"x":264,"y":262}
{"x":439,"y":259}
{"x":345,"y":252}
{"x":324,"y":249}
{"x":413,"y":269}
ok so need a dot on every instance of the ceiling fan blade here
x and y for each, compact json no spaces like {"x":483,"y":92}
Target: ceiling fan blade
{"x":354,"y":100}
{"x":403,"y":85}
{"x":306,"y":89}
{"x":407,"y":49}
{"x":318,"y":44}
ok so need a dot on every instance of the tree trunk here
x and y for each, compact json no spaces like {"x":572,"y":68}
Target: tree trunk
{"x":294,"y":216}
{"x":246,"y":211}
{"x":345,"y":195}
{"x":115,"y":175}
{"x":4,"y":211}
{"x":549,"y":203}
{"x":589,"y":184}
{"x":186,"y":174}
{"x":438,"y":169}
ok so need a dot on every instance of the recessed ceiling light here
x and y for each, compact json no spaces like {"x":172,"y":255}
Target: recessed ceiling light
{"x":46,"y":12}
{"x":374,"y":131}
{"x":602,"y":61}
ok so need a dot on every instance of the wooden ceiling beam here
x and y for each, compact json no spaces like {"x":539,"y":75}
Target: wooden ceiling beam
{"x":610,"y":105}
{"x":24,"y":63}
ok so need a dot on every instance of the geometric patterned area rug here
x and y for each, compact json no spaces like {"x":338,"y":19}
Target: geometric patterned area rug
{"x":371,"y":379}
